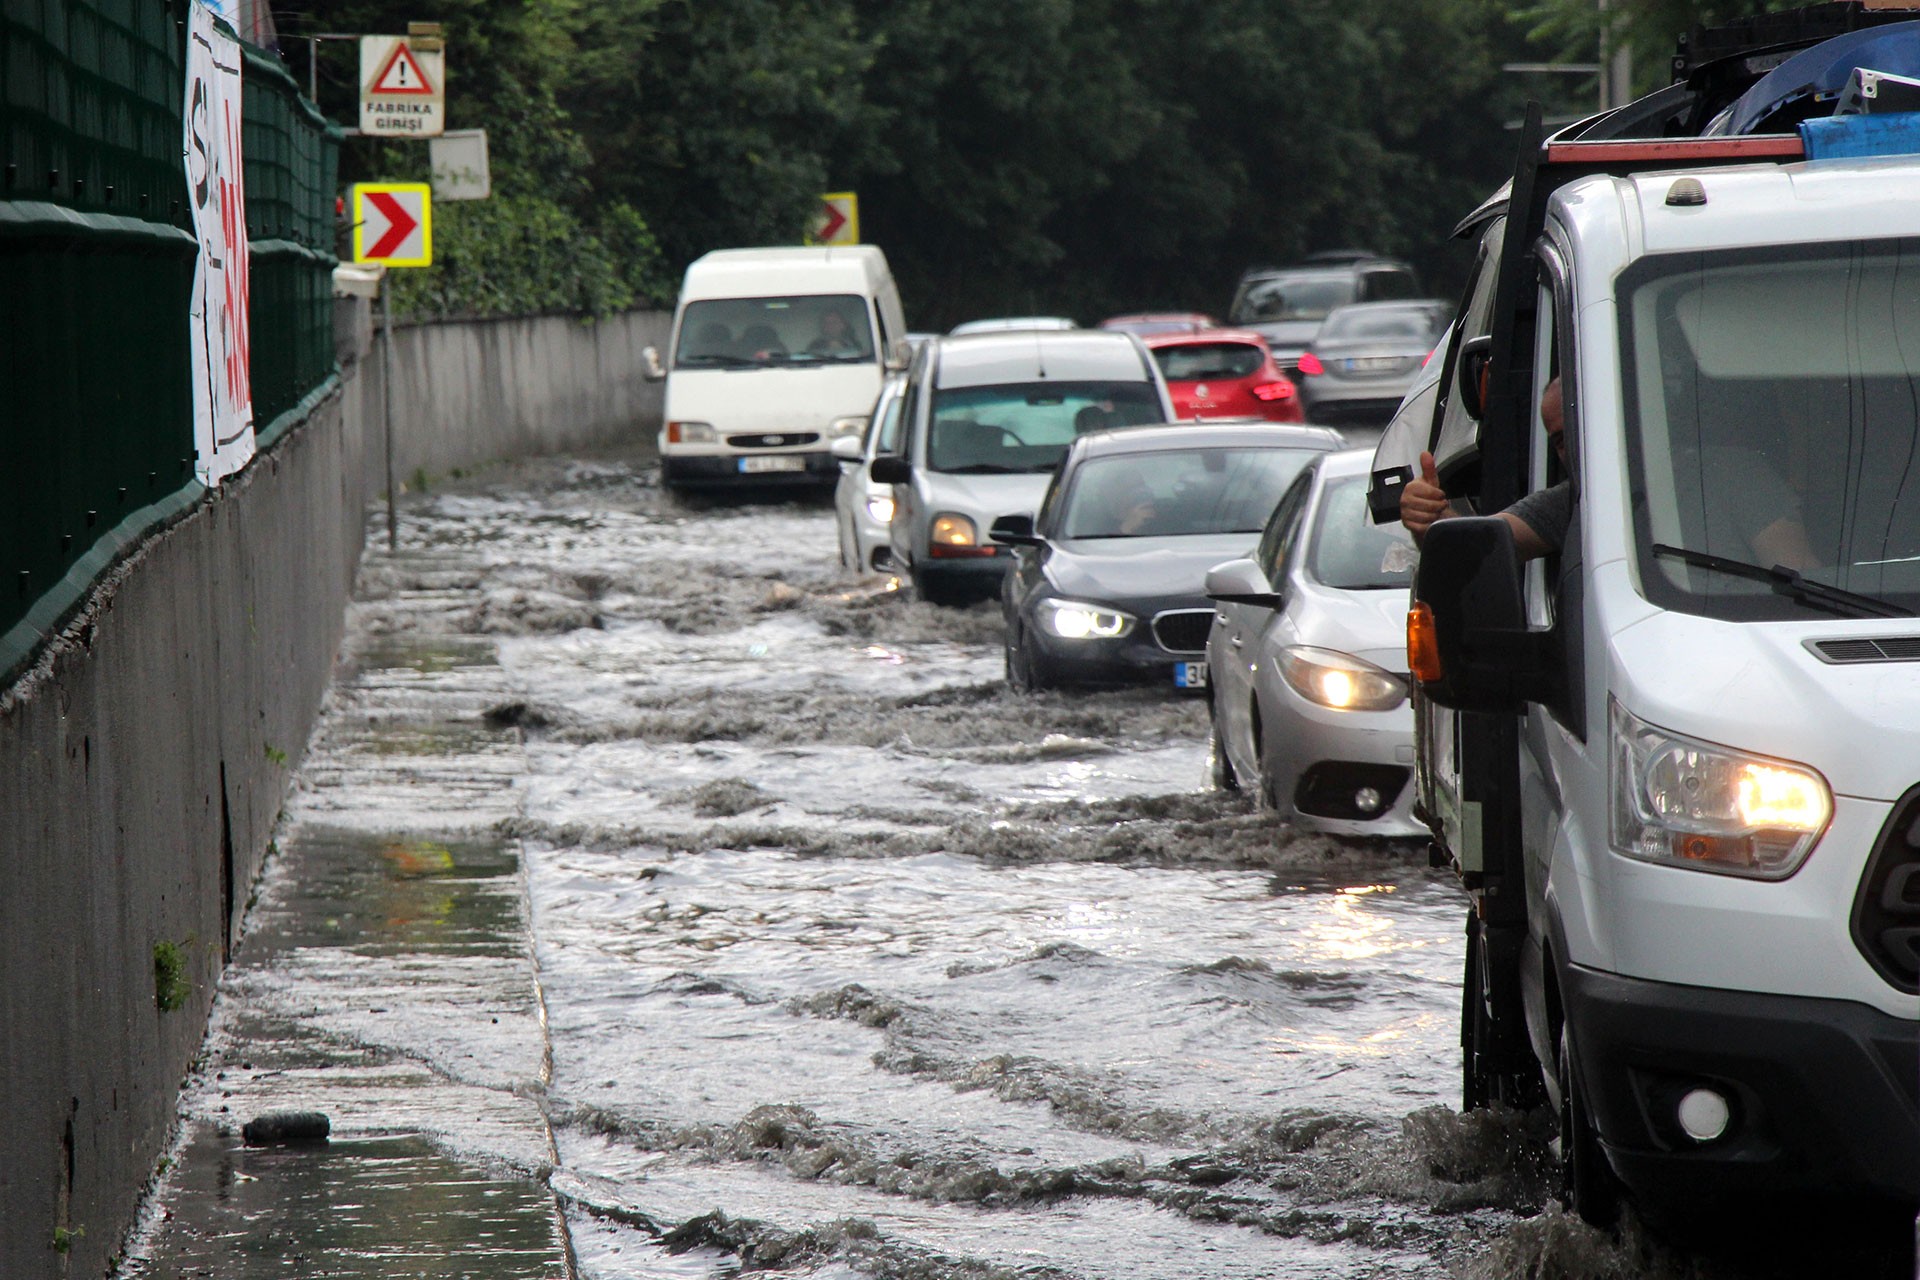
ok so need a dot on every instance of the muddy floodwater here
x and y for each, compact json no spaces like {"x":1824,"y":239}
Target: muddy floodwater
{"x":836,"y":957}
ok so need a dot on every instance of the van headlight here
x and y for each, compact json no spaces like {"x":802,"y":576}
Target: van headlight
{"x":1686,"y":803}
{"x":1071,"y":620}
{"x":880,"y":508}
{"x":691,"y":433}
{"x":1340,"y":680}
{"x":846,"y":427}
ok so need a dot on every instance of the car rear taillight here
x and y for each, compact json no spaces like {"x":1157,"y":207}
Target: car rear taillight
{"x":1310,"y":364}
{"x":1281,"y":390}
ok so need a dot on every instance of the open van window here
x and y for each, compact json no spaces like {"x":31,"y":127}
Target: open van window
{"x":1773,"y":417}
{"x":755,"y":333}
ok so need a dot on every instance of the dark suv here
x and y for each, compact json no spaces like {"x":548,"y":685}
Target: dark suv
{"x":1285,"y":305}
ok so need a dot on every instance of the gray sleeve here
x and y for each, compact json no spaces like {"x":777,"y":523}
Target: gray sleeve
{"x":1548,"y":513}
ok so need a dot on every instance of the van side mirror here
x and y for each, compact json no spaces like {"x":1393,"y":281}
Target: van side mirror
{"x":890,"y":468}
{"x":650,"y":357}
{"x":898,"y":355}
{"x":1467,"y":638}
{"x":1476,"y":357}
{"x":1015,"y":531}
{"x":1241,"y":582}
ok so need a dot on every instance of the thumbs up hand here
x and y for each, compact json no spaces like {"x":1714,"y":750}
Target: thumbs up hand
{"x":1423,"y":501}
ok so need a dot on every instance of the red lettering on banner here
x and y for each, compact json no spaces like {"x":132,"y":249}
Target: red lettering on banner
{"x":236,"y":321}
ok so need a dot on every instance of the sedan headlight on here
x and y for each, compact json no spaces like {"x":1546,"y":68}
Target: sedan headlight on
{"x":1071,"y":620}
{"x":1340,"y":680}
{"x":846,"y":427}
{"x":1686,"y":803}
{"x":880,"y":507}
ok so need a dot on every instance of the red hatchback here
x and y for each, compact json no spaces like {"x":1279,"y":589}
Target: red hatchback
{"x":1224,"y":373}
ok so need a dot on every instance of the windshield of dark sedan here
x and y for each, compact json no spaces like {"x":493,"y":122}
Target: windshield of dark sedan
{"x":1020,"y":427}
{"x":754,"y":333}
{"x":1193,"y":361}
{"x":1392,"y":324}
{"x":1773,"y":417}
{"x":1305,"y":295}
{"x":1178,"y":493}
{"x":1350,"y":551}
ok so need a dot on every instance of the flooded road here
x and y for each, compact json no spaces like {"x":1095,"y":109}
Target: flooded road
{"x":844,"y":959}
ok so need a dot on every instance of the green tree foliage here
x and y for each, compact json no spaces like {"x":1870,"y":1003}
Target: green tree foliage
{"x":1576,"y":29}
{"x":1083,"y":156}
{"x":548,"y":240}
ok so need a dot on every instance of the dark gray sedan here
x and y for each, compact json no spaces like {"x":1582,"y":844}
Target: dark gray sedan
{"x":1107,"y":582}
{"x":1365,"y":358}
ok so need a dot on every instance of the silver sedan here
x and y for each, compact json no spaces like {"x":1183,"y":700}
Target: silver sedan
{"x":1308,"y":660}
{"x":863,"y":510}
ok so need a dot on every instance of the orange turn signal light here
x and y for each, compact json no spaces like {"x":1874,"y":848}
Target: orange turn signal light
{"x":1423,"y":644}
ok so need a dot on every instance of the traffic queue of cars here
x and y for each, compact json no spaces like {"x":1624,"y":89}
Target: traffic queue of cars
{"x":1132,"y":541}
{"x":1145,"y":498}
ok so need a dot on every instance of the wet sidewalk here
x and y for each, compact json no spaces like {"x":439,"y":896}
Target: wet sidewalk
{"x":385,"y":979}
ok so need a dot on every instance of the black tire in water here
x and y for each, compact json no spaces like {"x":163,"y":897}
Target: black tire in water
{"x":1219,"y":768}
{"x":1024,"y":674}
{"x":1588,"y":1185}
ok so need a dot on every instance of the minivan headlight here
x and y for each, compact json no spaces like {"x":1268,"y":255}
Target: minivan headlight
{"x":847,"y":426}
{"x":952,"y":530}
{"x":1686,"y":803}
{"x":1340,"y":680}
{"x":1072,"y":620}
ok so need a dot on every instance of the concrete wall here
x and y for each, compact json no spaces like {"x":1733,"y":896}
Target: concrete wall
{"x":144,"y":758}
{"x":468,"y":392}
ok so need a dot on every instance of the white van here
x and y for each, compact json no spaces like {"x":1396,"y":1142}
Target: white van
{"x":1676,"y":761}
{"x":774,"y":354}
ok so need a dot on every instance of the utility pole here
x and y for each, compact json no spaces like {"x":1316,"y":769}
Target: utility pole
{"x":1615,"y":63}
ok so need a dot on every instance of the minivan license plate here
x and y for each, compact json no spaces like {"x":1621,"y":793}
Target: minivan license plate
{"x":772,"y":462}
{"x":1190,"y":675}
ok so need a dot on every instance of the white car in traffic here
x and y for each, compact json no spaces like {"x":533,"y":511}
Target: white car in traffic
{"x":863,"y":509}
{"x":1308,"y":660}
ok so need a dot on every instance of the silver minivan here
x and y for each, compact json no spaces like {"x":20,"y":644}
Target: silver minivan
{"x":986,"y":419}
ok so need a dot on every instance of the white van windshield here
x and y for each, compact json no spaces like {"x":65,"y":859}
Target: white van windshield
{"x":755,"y":333}
{"x":1773,"y":416}
{"x":1027,"y":426}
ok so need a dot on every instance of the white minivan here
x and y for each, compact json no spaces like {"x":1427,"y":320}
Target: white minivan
{"x":774,"y":354}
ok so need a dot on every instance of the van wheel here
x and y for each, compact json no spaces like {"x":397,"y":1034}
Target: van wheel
{"x":1587,"y":1183}
{"x":1483,"y":1081}
{"x":1219,"y":768}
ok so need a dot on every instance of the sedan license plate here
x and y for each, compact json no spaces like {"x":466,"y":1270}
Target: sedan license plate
{"x":772,"y":462}
{"x":1190,"y":675}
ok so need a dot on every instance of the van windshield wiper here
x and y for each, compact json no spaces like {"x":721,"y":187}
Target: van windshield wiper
{"x":982,"y":469}
{"x":716,"y":359}
{"x":1789,"y":582}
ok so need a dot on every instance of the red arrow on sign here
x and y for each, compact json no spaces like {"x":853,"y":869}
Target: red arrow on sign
{"x":400,"y":224}
{"x":835,"y":221}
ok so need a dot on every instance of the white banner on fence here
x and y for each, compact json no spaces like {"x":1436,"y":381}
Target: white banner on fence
{"x":222,"y":385}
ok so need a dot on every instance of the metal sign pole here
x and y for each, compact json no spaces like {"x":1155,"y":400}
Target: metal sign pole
{"x":386,"y":395}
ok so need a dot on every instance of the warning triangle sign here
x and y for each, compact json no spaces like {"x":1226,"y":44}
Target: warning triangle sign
{"x":402,"y":74}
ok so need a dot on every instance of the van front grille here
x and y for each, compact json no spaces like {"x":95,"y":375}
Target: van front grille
{"x":1876,"y":649}
{"x":786,"y":441}
{"x":1886,"y":911}
{"x":1183,"y":630}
